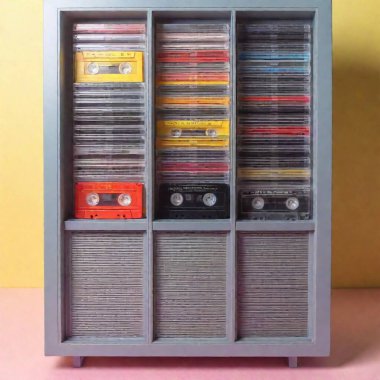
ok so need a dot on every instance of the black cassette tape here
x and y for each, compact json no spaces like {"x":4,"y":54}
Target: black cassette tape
{"x":274,"y":205}
{"x":206,"y":201}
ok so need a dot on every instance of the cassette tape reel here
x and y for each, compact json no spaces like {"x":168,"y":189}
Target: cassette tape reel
{"x":109,"y":66}
{"x":184,"y":201}
{"x":108,"y":200}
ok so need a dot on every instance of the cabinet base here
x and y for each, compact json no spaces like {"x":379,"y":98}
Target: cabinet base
{"x":293,"y":361}
{"x":78,"y":361}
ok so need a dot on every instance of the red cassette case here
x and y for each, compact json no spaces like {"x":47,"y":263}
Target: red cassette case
{"x":108,"y":200}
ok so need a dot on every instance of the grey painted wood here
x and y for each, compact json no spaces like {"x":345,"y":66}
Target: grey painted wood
{"x":58,"y":195}
{"x":322,"y":173}
{"x":106,"y":225}
{"x":247,"y":348}
{"x":231,"y":257}
{"x":52,"y":247}
{"x":192,"y":225}
{"x":78,"y":361}
{"x":293,"y":362}
{"x":151,"y":181}
{"x":244,"y":225}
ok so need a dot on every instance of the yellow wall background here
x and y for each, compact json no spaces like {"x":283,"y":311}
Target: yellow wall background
{"x":356,"y":178}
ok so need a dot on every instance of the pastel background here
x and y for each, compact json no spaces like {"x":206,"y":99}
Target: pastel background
{"x":356,"y":152}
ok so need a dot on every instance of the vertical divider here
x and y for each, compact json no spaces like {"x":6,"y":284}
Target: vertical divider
{"x":231,"y":258}
{"x":311,"y":287}
{"x":148,"y":283}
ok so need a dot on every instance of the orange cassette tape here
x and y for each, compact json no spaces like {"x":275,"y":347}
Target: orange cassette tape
{"x":108,"y":200}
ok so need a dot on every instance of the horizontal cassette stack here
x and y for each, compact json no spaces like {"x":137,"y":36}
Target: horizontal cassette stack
{"x":192,"y":119}
{"x":274,"y":120}
{"x":109,"y":119}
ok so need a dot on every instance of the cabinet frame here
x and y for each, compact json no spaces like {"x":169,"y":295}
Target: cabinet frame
{"x":58,"y":14}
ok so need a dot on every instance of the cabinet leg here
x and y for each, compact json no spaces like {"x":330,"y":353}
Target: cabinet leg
{"x":78,"y":361}
{"x":293,"y":361}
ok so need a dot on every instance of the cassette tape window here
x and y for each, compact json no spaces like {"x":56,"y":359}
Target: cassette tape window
{"x":109,"y":119}
{"x":192,"y":119}
{"x":274,"y":120}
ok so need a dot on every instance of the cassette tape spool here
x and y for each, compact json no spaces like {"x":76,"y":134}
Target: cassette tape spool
{"x":184,"y":201}
{"x":108,"y":200}
{"x":275,"y":205}
{"x":109,"y":66}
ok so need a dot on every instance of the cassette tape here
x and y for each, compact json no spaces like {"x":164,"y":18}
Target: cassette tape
{"x":185,"y":201}
{"x":111,"y":28}
{"x":274,"y":205}
{"x":108,"y":200}
{"x":277,"y":173}
{"x":109,"y":66}
{"x":194,"y":56}
{"x":224,"y":100}
{"x":193,"y":124}
{"x":223,"y":77}
{"x":194,"y":130}
{"x":174,"y":142}
{"x":184,"y":27}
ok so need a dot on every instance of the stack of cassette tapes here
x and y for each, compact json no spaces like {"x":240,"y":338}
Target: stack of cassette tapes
{"x":193,"y":119}
{"x":109,"y":120}
{"x":274,"y":120}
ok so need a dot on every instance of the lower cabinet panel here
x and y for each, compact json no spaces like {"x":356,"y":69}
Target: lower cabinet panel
{"x":190,"y":285}
{"x":272,"y":282}
{"x":105,"y":284}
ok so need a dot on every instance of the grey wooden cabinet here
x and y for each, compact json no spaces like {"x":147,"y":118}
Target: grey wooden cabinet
{"x":234,"y":286}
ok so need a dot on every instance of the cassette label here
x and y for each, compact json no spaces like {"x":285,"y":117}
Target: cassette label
{"x":109,"y":66}
{"x":196,"y":131}
{"x":192,"y":100}
{"x":194,"y":56}
{"x":193,"y":123}
{"x":108,"y":200}
{"x":183,"y":201}
{"x":191,"y":142}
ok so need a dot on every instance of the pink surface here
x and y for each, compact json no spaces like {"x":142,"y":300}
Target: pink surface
{"x":355,"y":349}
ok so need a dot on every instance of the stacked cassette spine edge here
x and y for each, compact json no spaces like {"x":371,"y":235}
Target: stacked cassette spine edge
{"x":192,"y":105}
{"x":274,"y":120}
{"x":109,"y":118}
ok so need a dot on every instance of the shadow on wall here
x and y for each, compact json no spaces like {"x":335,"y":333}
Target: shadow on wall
{"x":356,"y":175}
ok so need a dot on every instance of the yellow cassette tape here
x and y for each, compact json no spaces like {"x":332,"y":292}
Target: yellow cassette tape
{"x":191,"y":82}
{"x":198,"y":131}
{"x":225,"y":100}
{"x":191,"y":142}
{"x":193,"y":124}
{"x":247,"y":173}
{"x":109,"y":66}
